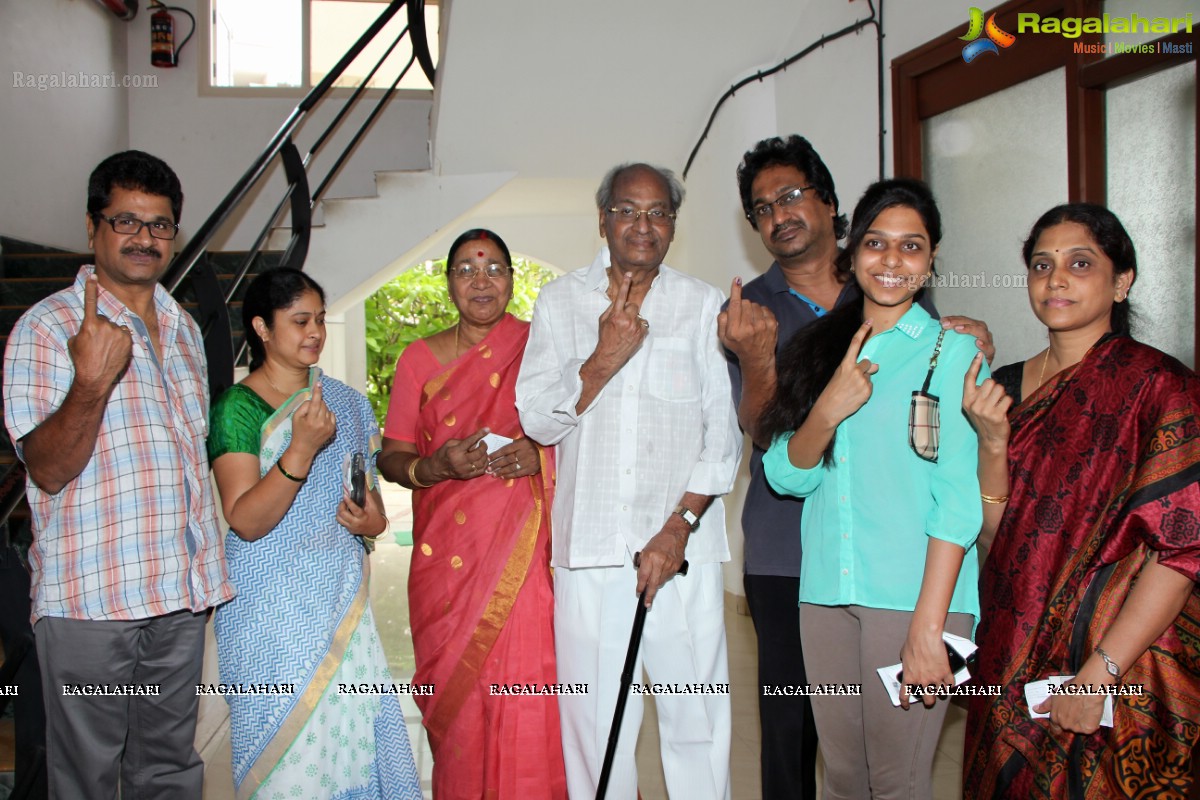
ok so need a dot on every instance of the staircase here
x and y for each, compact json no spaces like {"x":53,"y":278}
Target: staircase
{"x":30,"y":272}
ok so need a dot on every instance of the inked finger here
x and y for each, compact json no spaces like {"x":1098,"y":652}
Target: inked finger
{"x":472,"y":441}
{"x":971,"y":380}
{"x":856,"y":343}
{"x":91,"y":291}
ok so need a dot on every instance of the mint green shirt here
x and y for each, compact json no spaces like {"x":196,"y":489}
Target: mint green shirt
{"x":866,"y":517}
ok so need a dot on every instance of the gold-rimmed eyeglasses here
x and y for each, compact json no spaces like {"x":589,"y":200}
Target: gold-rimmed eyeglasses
{"x":657,"y":216}
{"x":789,"y":198}
{"x":467,"y":271}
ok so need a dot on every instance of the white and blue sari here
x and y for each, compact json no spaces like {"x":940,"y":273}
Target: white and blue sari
{"x":302,"y":621}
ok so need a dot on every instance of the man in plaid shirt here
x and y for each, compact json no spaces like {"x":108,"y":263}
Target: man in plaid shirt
{"x":106,"y":400}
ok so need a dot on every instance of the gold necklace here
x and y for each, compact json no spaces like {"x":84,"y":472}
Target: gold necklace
{"x":1042,"y":374}
{"x":271,"y":383}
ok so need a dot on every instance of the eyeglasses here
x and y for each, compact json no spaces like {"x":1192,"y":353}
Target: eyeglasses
{"x":785,"y":200}
{"x":630,"y":214}
{"x":132,"y":226}
{"x":467,"y":271}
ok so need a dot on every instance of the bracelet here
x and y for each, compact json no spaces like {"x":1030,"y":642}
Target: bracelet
{"x":387,"y":526}
{"x":288,"y":475}
{"x":412,"y":475}
{"x":995,"y":501}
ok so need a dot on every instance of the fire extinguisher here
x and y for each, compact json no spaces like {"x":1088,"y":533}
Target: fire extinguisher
{"x":163,"y":52}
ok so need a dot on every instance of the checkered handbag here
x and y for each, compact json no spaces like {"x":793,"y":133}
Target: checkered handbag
{"x":924,"y":417}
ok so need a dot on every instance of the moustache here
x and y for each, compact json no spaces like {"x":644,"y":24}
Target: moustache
{"x":134,"y":250}
{"x":787,"y":228}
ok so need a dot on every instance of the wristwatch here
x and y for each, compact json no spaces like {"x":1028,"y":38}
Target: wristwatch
{"x":689,"y":517}
{"x":1109,"y":664}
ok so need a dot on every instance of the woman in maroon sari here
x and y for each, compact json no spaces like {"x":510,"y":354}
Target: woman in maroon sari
{"x":481,"y":604}
{"x":1090,"y":489}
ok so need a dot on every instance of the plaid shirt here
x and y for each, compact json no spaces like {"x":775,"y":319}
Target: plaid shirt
{"x":135,"y":534}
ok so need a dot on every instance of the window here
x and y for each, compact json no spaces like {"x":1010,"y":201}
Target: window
{"x":283,"y":44}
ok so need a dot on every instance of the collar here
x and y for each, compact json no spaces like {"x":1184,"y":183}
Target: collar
{"x":596,"y":278}
{"x":914,"y":322}
{"x":109,"y":306}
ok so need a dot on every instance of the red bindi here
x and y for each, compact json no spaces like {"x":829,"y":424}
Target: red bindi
{"x":479,"y":253}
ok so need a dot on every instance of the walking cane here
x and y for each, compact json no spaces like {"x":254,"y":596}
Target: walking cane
{"x":635,"y":640}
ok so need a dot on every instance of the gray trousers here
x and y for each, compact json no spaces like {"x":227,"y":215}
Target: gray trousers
{"x":144,"y":742}
{"x":872,"y":750}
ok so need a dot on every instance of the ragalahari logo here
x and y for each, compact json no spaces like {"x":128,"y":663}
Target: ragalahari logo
{"x":996,"y":38}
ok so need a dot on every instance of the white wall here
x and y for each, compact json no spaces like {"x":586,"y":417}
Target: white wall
{"x":212,"y":140}
{"x":51,"y":140}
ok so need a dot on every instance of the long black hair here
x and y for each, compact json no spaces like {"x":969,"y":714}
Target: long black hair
{"x":807,"y":362}
{"x":1114,"y":241}
{"x":272,"y":290}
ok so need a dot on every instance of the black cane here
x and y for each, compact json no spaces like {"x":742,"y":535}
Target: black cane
{"x":635,"y":640}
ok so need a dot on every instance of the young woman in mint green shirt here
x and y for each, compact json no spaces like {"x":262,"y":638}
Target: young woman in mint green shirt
{"x":888,"y":535}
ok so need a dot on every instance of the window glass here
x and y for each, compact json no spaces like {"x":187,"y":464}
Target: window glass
{"x":258,"y":43}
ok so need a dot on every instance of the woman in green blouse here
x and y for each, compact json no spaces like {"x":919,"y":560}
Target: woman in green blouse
{"x":892,"y":507}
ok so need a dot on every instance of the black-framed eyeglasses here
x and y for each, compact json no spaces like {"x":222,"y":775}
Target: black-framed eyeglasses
{"x":789,"y":198}
{"x":132,"y":226}
{"x":467,"y":271}
{"x":657,"y":216}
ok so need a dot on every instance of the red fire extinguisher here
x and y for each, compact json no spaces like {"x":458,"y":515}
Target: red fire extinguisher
{"x":163,"y":52}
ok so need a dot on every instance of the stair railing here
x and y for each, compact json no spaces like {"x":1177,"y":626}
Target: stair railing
{"x":191,"y":262}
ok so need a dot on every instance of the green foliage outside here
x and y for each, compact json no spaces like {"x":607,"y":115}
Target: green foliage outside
{"x":417,"y":304}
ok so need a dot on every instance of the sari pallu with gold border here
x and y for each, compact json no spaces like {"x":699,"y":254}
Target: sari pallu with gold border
{"x":1103,"y":462}
{"x":480,"y":576}
{"x":301,"y":620}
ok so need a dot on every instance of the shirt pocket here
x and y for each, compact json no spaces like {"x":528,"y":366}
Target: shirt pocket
{"x":671,"y":372}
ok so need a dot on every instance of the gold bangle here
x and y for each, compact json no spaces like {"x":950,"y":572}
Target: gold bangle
{"x":288,"y":475}
{"x":412,"y":475}
{"x":995,"y":501}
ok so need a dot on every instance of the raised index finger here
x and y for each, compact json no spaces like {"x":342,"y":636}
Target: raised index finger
{"x":735,"y":301}
{"x":623,"y":292}
{"x":856,"y":343}
{"x":91,"y":291}
{"x":972,"y":377}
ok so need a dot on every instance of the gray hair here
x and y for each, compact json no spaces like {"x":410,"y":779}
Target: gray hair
{"x":604,"y":195}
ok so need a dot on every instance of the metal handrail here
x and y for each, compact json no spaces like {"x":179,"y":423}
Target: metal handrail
{"x":191,"y":261}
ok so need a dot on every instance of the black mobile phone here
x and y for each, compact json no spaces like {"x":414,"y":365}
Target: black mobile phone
{"x":358,"y":480}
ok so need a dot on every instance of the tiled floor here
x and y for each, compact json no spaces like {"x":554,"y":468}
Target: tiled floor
{"x":745,"y":743}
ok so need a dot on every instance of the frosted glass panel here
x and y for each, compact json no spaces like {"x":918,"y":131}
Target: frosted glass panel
{"x":995,"y":165}
{"x":1152,"y":188}
{"x":1168,"y":9}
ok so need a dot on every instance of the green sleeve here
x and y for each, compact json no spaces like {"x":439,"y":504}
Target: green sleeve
{"x":235,"y":423}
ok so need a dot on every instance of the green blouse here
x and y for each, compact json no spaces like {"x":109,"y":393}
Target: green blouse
{"x":235,"y":423}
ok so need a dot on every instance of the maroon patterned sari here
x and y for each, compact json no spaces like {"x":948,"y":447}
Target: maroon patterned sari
{"x":1103,"y":462}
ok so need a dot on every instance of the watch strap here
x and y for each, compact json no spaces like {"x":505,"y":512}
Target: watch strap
{"x":689,"y":517}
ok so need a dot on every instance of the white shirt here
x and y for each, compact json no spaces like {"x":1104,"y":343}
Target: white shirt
{"x":662,"y":426}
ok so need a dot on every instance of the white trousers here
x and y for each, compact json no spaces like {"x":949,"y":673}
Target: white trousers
{"x":683,"y":645}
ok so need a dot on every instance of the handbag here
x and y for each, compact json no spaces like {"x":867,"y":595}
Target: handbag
{"x":924,"y":416}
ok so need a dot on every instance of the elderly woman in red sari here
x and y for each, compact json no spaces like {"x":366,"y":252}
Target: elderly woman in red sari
{"x":480,"y":600}
{"x":1088,"y":465}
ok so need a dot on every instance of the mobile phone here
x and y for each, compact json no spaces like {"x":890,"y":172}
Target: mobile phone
{"x":358,"y":480}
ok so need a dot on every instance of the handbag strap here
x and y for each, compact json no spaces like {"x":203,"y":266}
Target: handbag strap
{"x":937,"y":348}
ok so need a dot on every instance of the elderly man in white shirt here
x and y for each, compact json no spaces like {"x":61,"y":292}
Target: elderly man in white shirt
{"x":624,"y":372}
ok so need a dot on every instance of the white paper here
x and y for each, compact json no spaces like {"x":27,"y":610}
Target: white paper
{"x":495,"y":441}
{"x":1036,"y":692}
{"x":891,"y":675}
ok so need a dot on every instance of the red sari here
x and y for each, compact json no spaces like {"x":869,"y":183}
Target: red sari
{"x":481,"y":604}
{"x":1103,"y":463}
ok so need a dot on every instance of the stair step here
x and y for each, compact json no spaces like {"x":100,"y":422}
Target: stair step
{"x":44,"y":265}
{"x":27,"y":291}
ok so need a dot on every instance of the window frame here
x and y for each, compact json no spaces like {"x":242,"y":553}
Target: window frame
{"x":204,"y":71}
